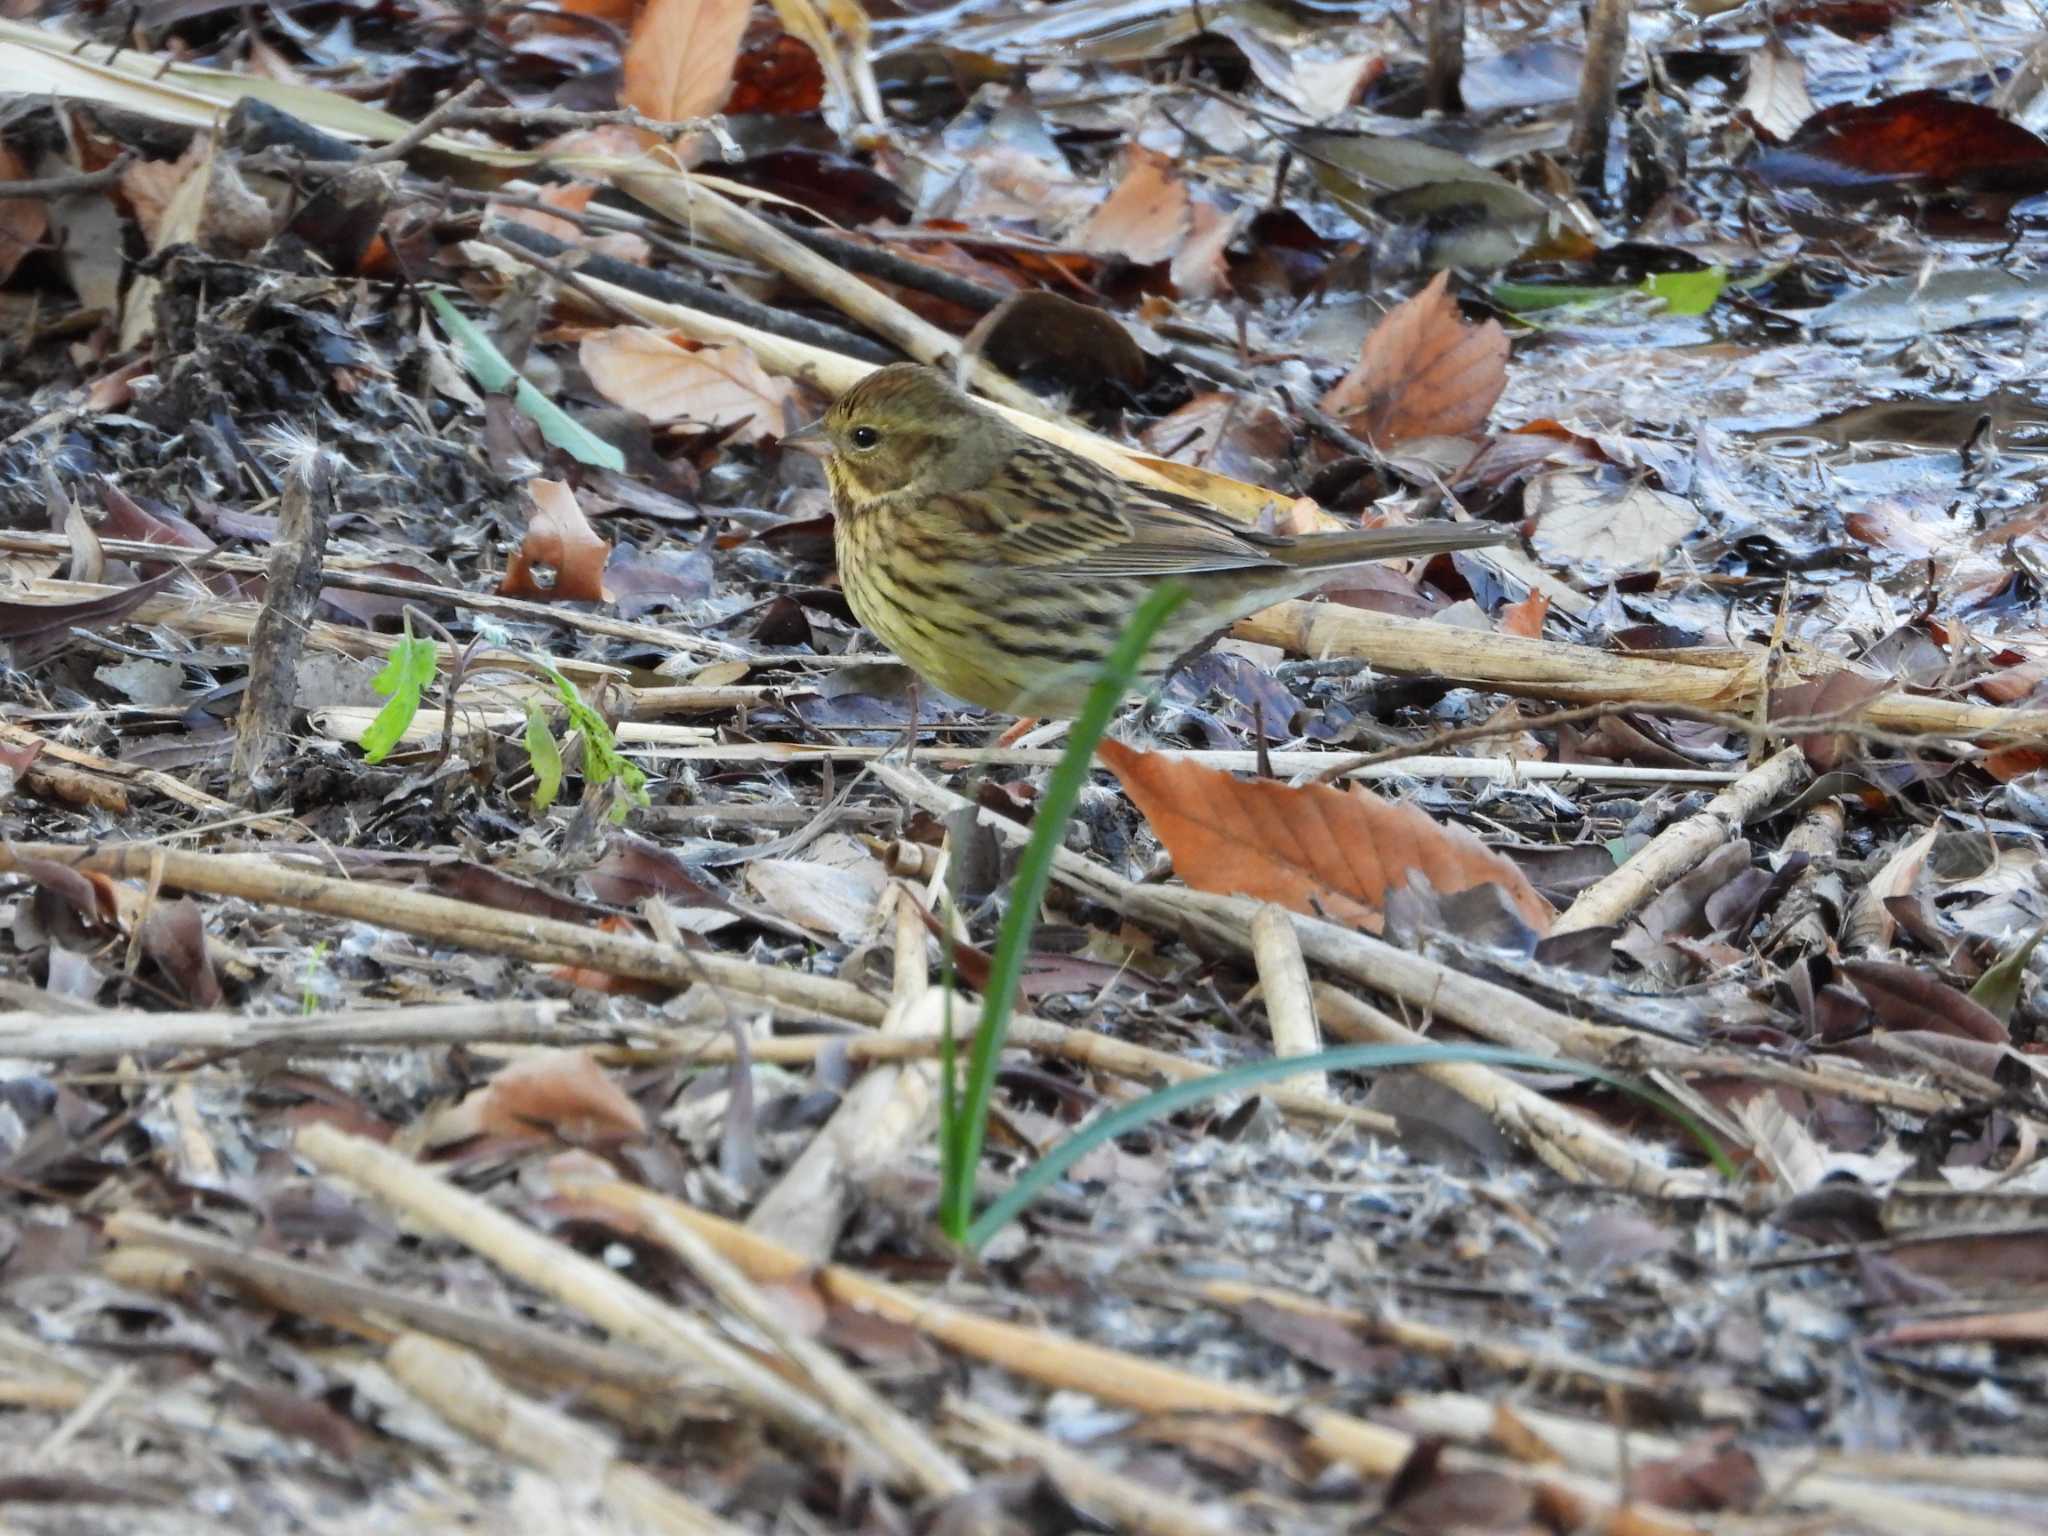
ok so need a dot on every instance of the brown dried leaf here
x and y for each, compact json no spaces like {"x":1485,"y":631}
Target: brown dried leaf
{"x":1423,"y":372}
{"x":561,"y":537}
{"x":559,"y":1093}
{"x":680,"y":61}
{"x":1201,"y":267}
{"x":720,"y":388}
{"x":1309,"y":847}
{"x":1906,"y":998}
{"x":1146,"y":218}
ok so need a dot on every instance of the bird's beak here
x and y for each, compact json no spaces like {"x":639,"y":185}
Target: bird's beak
{"x":811,"y":440}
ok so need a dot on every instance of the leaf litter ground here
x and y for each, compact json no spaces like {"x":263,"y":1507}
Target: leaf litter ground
{"x":1727,"y":777}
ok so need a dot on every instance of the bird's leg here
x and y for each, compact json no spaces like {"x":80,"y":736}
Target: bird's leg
{"x":1017,"y":731}
{"x":908,"y":740}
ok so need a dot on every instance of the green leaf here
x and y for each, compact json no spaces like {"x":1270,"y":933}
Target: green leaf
{"x":1687,"y":293}
{"x":492,"y":371}
{"x":1364,"y":1058}
{"x":602,"y":761}
{"x":403,"y":682}
{"x":1682,"y":293}
{"x":1999,"y":988}
{"x":1523,"y":297}
{"x":962,"y":1130}
{"x":545,"y":757}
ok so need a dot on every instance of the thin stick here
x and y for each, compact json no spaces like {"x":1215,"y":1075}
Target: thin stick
{"x":69,"y":1037}
{"x":693,"y":205}
{"x":874,"y":1124}
{"x":1446,"y":56}
{"x":459,"y":924}
{"x":554,"y":1269}
{"x":919,"y":1463}
{"x":1606,"y":50}
{"x":1111,"y":1375}
{"x":1679,"y":848}
{"x":77,"y":181}
{"x":461,"y":1389}
{"x":1283,"y":981}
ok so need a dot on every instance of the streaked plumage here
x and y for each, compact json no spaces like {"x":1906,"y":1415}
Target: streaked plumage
{"x":1002,"y":568}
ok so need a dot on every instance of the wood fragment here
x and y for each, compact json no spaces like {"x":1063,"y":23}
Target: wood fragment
{"x":1680,"y":848}
{"x":460,"y":924}
{"x":554,"y":1269}
{"x":1569,"y":1144}
{"x":461,"y":1388}
{"x":875,"y":1124}
{"x":256,"y":778}
{"x":1110,"y":1375}
{"x":1606,"y":52}
{"x":1284,"y":985}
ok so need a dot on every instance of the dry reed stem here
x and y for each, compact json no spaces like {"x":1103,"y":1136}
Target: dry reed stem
{"x":1677,"y":849}
{"x":460,"y":1388}
{"x":1111,"y":1375}
{"x":876,"y":1123}
{"x":459,"y":924}
{"x":1284,"y":985}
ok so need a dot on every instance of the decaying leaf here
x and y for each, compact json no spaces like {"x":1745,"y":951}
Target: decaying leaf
{"x":1146,"y":218}
{"x":1424,"y":372}
{"x":1597,"y":528}
{"x":679,"y":63}
{"x":721,"y":388}
{"x":563,"y":1094}
{"x":561,"y":539}
{"x":1309,"y":847}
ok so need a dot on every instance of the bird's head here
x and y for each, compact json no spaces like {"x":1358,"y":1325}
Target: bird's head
{"x":905,"y":429}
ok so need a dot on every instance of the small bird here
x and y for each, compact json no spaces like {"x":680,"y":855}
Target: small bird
{"x":1002,"y":568}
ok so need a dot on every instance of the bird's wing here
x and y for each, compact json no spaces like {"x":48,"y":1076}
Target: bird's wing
{"x":1051,"y":508}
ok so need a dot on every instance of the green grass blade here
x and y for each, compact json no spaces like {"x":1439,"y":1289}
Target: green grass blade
{"x":961,"y":1132}
{"x":491,"y":369}
{"x":1363,"y":1058}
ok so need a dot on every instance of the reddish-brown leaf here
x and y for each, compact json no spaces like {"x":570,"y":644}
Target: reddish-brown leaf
{"x":781,"y":77}
{"x":1308,"y":847}
{"x":680,"y":61}
{"x":1526,"y":617}
{"x":1146,"y":218}
{"x":1424,"y":372}
{"x":559,"y":537}
{"x":1905,"y":998}
{"x":1922,"y":136}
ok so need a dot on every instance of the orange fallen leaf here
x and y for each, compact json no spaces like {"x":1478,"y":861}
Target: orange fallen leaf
{"x":559,"y":536}
{"x":666,"y":380}
{"x":560,"y":1093}
{"x":1526,"y":617}
{"x":1309,"y":847}
{"x":680,"y":61}
{"x":1145,"y":219}
{"x":1423,"y":372}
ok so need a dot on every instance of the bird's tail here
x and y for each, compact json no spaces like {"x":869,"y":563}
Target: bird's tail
{"x":1317,"y":551}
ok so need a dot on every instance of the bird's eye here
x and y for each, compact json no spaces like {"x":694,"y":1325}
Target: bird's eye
{"x":864,"y":437}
